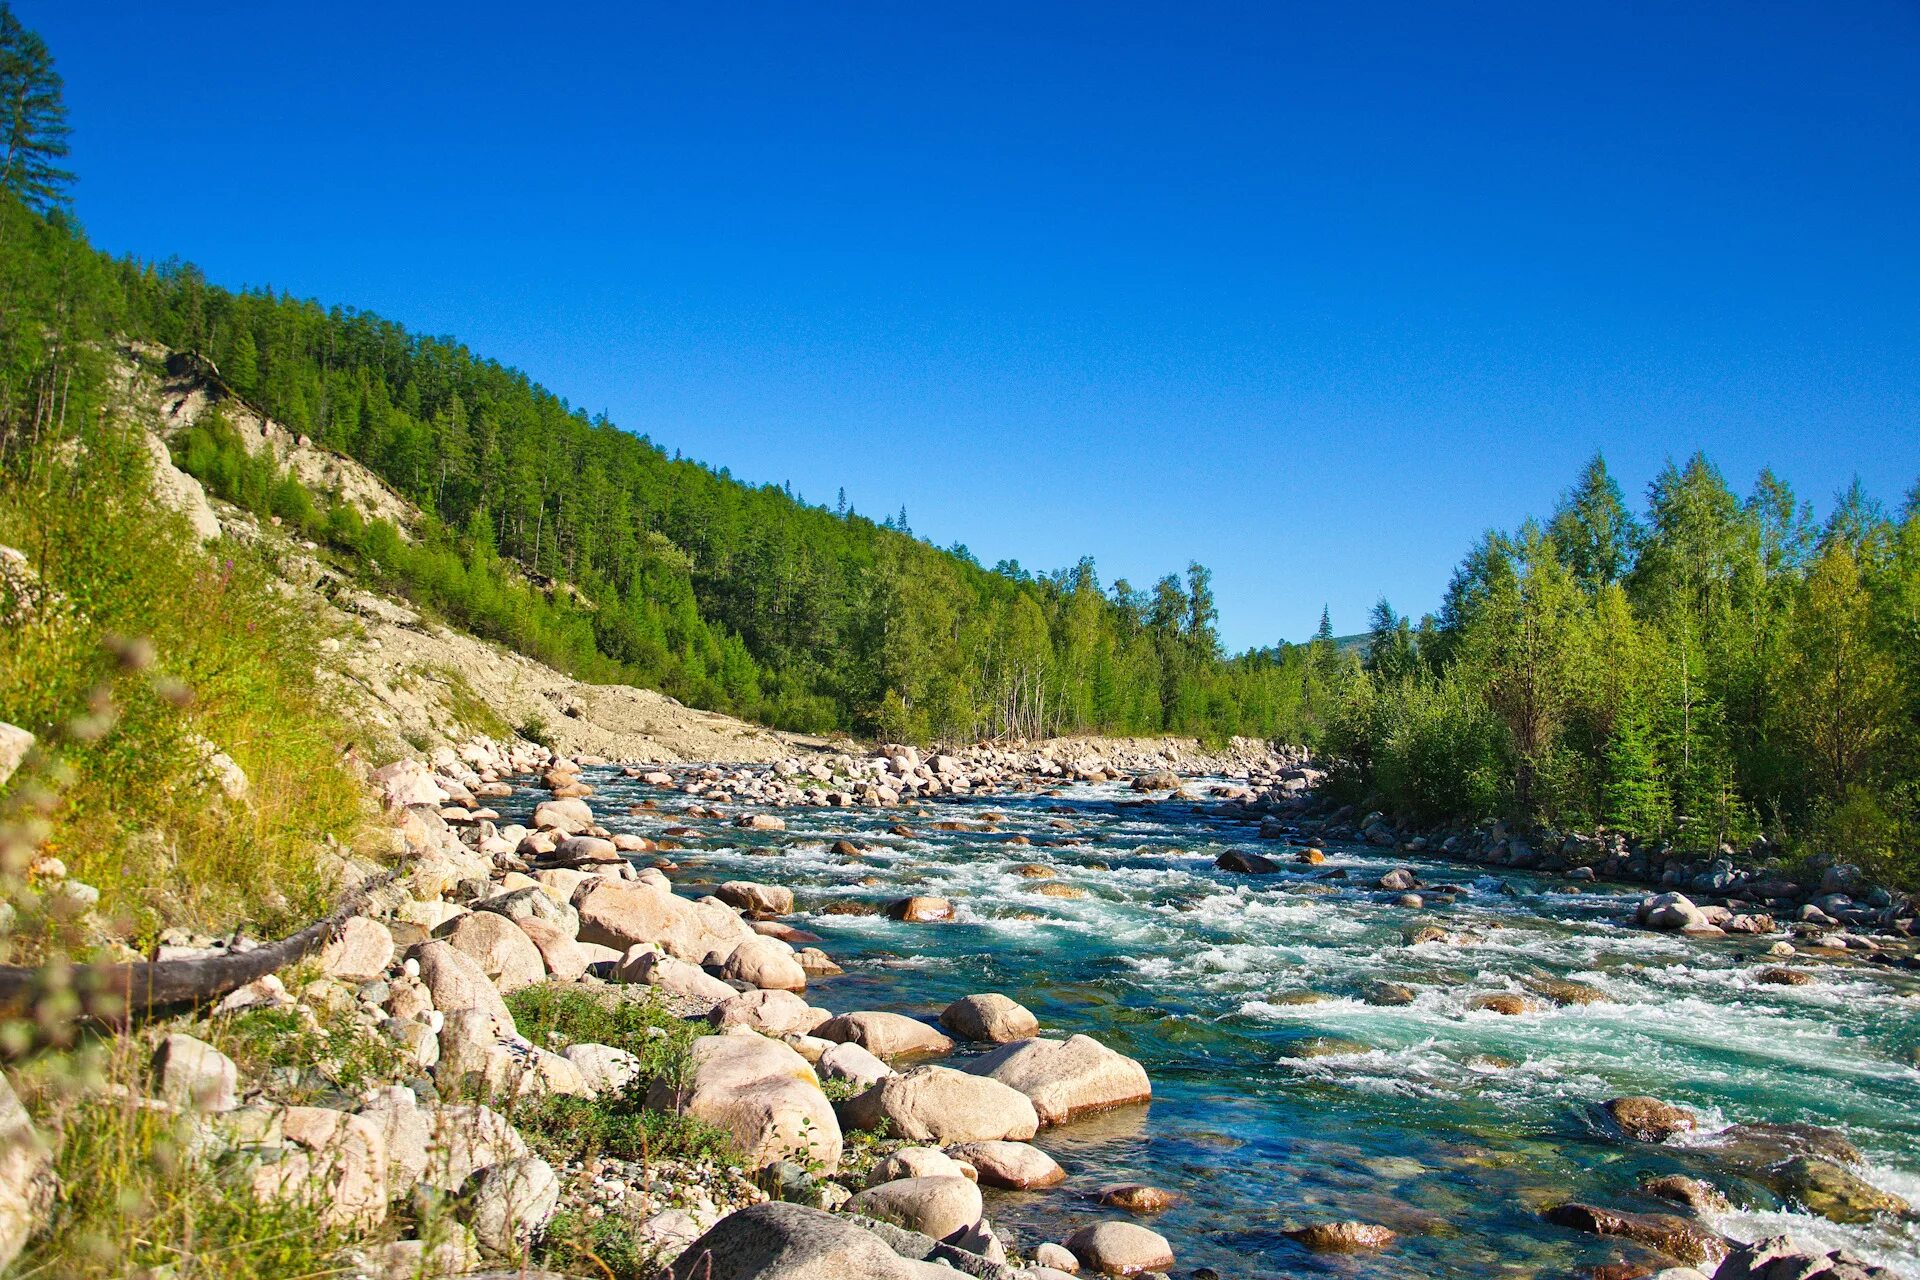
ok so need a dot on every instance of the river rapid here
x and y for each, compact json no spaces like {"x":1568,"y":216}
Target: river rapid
{"x":1281,"y":1095}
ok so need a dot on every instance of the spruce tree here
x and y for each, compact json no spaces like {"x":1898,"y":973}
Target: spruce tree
{"x":34,"y":120}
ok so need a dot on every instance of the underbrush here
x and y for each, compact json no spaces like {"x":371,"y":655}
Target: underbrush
{"x":618,"y":1125}
{"x":135,"y":656}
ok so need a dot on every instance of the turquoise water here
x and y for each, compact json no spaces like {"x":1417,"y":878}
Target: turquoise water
{"x":1453,"y":1126}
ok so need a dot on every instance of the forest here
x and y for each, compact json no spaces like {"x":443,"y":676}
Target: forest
{"x":1709,"y":668}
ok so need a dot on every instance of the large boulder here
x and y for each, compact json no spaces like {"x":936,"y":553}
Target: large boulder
{"x":936,"y":1206}
{"x":761,"y":901}
{"x":1120,"y":1249}
{"x":345,"y":1165}
{"x":990,"y":1018}
{"x":853,"y":1064}
{"x":564,"y":958}
{"x":360,"y":953}
{"x":510,"y":1203}
{"x":571,"y":816}
{"x":939,"y":1104}
{"x":500,"y":947}
{"x":889,"y":1035}
{"x":767,"y":963}
{"x":603,"y":1068}
{"x":1671,"y":1234}
{"x":1067,"y":1078}
{"x":621,"y":915}
{"x":193,"y":1075}
{"x":1647,"y":1119}
{"x":675,"y":977}
{"x":777,"y":1241}
{"x":26,"y":1176}
{"x":761,"y":1092}
{"x":771,"y":1013}
{"x":456,"y":981}
{"x":1016,"y":1166}
{"x":533,"y":901}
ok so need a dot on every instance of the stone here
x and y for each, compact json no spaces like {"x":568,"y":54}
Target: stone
{"x":1342,"y":1237}
{"x":347,"y":1162}
{"x":853,"y":1064}
{"x":194,"y":1076}
{"x":935,"y":1206}
{"x":473,"y":1056}
{"x":1677,"y":1237}
{"x":779,"y":1241}
{"x":1136,"y":1197}
{"x":771,"y":1013}
{"x":511,"y":1202}
{"x":1695,"y":1193}
{"x":1055,"y":1257}
{"x":533,"y":902}
{"x":1067,"y":1078}
{"x":759,"y":900}
{"x":26,"y":1174}
{"x":1780,"y":976}
{"x":572,"y":816}
{"x":1834,"y":1193}
{"x":500,"y":948}
{"x":1243,"y":862}
{"x":675,"y":977}
{"x":817,"y":963}
{"x":1399,"y":880}
{"x":887,"y":1035}
{"x":1647,"y":1119}
{"x":621,"y":915}
{"x":456,"y":981}
{"x":761,"y":1092}
{"x":1015,"y":1166}
{"x":360,"y":953}
{"x":939,"y":1104}
{"x":917,"y":1162}
{"x":15,"y":743}
{"x":767,"y":963}
{"x":991,"y":1019}
{"x":1120,"y":1249}
{"x":564,"y":958}
{"x":603,"y":1068}
{"x":406,"y":783}
{"x":920,"y":910}
{"x":1508,"y":1003}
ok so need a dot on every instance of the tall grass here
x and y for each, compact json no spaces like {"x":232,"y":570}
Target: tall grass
{"x":143,"y":654}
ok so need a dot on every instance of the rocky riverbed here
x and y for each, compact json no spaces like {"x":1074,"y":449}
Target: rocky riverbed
{"x":1036,"y":1011}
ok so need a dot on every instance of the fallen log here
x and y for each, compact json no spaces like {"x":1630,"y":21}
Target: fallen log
{"x":115,"y":993}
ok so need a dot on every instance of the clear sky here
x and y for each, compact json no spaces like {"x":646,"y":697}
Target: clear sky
{"x":1312,"y":293}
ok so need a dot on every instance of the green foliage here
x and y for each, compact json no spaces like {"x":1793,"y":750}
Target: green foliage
{"x":33,"y":119}
{"x":335,"y":1055}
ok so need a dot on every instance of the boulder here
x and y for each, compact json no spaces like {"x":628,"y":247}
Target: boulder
{"x":26,"y":1176}
{"x":564,"y":958}
{"x":853,"y":1064}
{"x":1136,"y":1197}
{"x":936,"y":1206}
{"x":345,"y":1167}
{"x":917,"y":1162}
{"x":1243,"y":862}
{"x":571,"y":816}
{"x":1677,"y":1237}
{"x":533,"y":902}
{"x":361,"y":952}
{"x":510,"y":1203}
{"x":1342,"y":1237}
{"x":920,"y":910}
{"x":771,"y":1013}
{"x":761,"y":1092}
{"x":767,"y":963}
{"x":1647,"y":1119}
{"x":777,"y":1241}
{"x":499,"y":947}
{"x":603,"y":1068}
{"x":1015,"y":1166}
{"x":1823,"y":1187}
{"x":1067,"y":1078}
{"x":991,"y":1019}
{"x":1120,"y":1249}
{"x":888,"y":1035}
{"x":456,"y":981}
{"x":620,"y":915}
{"x":939,"y":1104}
{"x":758,"y":900}
{"x":675,"y":977}
{"x":194,"y":1076}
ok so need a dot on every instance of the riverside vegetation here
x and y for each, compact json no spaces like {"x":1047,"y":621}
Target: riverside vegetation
{"x":527,"y":1049}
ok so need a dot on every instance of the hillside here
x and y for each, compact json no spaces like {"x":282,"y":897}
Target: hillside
{"x":413,"y":683}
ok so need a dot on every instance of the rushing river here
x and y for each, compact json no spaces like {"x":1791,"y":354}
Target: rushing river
{"x":1281,"y":1097}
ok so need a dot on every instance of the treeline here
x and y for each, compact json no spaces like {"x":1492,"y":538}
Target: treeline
{"x":1716,"y":669}
{"x":592,"y":548}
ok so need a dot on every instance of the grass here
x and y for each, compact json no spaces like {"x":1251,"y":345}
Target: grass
{"x":138,"y":1195}
{"x":475,"y":713}
{"x":619,"y":1125}
{"x":143,"y":653}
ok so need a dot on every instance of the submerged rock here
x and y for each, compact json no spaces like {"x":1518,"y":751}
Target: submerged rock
{"x":1677,"y":1237}
{"x":1647,"y":1119}
{"x":1342,"y":1237}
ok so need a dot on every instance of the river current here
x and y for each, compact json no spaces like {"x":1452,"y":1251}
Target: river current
{"x":1281,"y":1096}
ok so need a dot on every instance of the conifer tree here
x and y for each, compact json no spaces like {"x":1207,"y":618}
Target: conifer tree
{"x":33,"y":128}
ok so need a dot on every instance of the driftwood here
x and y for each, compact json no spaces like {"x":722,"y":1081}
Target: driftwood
{"x":115,"y":993}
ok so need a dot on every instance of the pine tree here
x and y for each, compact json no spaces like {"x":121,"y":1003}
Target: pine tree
{"x":35,"y":119}
{"x":1592,"y":531}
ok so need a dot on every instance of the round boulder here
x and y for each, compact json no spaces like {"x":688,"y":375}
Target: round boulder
{"x":990,"y":1019}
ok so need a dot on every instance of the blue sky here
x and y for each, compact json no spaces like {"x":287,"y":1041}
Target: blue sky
{"x":1311,"y":293}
